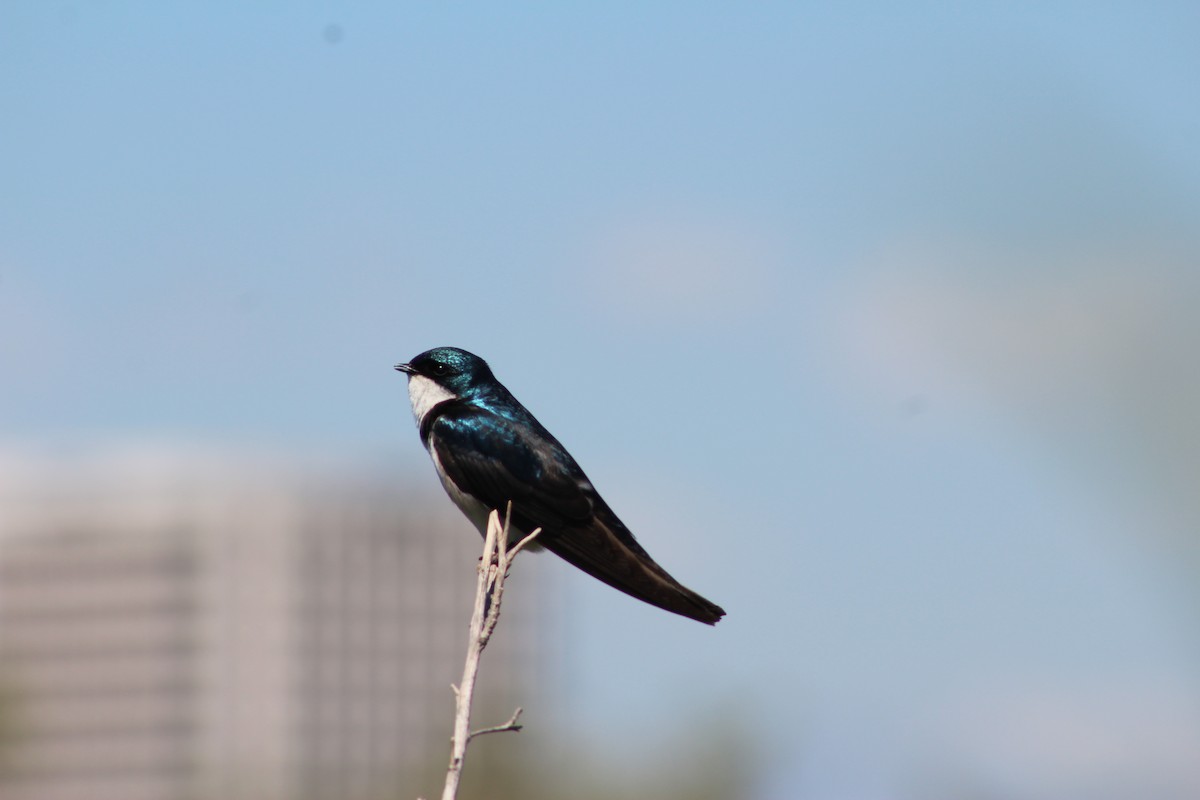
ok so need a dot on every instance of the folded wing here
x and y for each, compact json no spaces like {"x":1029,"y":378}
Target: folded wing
{"x":496,"y":461}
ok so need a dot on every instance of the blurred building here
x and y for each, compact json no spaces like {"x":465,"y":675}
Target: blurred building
{"x":202,"y":627}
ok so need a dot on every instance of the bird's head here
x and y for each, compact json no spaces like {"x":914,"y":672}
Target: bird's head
{"x":453,"y":370}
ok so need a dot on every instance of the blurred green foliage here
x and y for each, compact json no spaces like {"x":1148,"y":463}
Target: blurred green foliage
{"x":711,"y":758}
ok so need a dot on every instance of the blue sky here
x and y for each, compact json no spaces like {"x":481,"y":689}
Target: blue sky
{"x":873,"y":323}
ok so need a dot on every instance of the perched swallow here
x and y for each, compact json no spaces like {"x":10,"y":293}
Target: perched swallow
{"x":489,"y":450}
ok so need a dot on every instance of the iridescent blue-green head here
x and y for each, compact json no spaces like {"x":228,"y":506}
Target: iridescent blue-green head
{"x":444,"y":373}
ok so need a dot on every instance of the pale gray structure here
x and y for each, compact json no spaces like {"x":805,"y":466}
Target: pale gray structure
{"x":176,"y":626}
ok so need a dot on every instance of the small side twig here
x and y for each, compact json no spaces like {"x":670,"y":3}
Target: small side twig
{"x":511,"y":725}
{"x":493,"y":569}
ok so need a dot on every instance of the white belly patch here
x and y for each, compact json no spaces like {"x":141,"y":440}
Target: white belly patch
{"x":474,"y":510}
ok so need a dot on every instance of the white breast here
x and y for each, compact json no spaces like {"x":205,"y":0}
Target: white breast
{"x":424,"y":394}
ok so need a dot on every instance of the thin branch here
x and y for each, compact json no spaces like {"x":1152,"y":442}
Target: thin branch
{"x":511,"y":725}
{"x":493,"y":569}
{"x":519,"y":546}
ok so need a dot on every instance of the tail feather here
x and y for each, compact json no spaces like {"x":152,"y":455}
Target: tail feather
{"x":630,"y":570}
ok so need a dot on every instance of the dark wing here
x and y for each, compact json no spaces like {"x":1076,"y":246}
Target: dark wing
{"x":496,"y":461}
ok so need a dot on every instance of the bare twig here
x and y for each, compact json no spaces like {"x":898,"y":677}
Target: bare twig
{"x":511,"y":725}
{"x":493,"y":569}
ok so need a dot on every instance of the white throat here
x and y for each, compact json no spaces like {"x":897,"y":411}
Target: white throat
{"x":424,"y":394}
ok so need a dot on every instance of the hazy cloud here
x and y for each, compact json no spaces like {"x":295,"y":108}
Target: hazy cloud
{"x":1028,"y":327}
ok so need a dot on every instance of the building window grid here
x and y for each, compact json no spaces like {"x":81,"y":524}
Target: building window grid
{"x":380,"y":608}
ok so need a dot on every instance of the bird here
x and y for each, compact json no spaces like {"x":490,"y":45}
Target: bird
{"x":489,"y":450}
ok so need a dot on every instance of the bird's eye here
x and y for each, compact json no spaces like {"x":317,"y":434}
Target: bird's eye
{"x":439,"y":369}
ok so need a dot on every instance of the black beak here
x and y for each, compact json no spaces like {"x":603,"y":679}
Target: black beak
{"x":407,"y":369}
